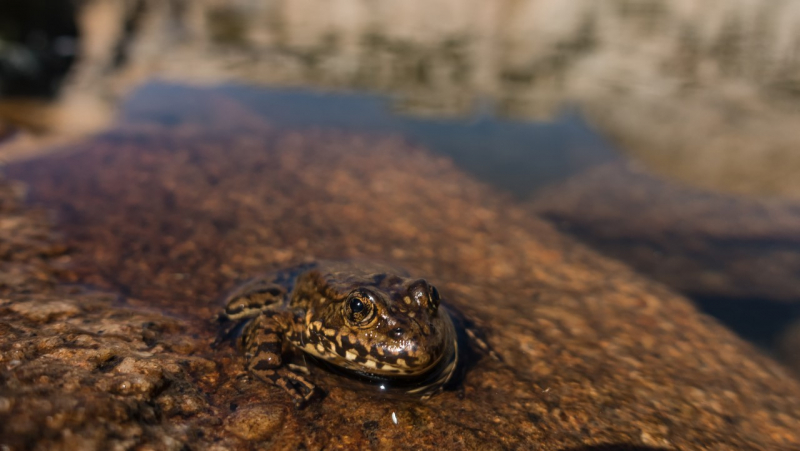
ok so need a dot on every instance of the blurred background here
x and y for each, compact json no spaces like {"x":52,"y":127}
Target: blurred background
{"x":662,"y":133}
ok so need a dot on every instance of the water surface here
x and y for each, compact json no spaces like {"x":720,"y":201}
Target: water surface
{"x":661,"y":133}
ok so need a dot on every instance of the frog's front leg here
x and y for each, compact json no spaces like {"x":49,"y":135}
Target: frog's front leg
{"x":262,"y":344}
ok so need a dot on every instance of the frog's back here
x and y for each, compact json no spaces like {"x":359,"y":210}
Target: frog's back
{"x":353,"y":270}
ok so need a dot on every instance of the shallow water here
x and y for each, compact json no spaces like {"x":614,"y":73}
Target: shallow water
{"x":661,"y":133}
{"x":172,"y":216}
{"x":516,"y":156}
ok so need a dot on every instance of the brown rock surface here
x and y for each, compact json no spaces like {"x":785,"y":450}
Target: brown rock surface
{"x":593,"y":355}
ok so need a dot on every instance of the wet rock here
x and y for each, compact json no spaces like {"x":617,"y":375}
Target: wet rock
{"x":255,"y":422}
{"x":591,"y":354}
{"x":75,"y":376}
{"x":76,"y":372}
{"x":699,"y":242}
{"x":44,"y":311}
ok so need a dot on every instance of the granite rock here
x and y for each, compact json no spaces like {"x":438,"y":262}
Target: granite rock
{"x":592,"y":355}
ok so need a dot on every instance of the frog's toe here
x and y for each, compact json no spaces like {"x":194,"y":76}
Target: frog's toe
{"x":302,"y":398}
{"x":301,"y":390}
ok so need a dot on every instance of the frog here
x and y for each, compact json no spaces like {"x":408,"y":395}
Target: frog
{"x":368,"y":320}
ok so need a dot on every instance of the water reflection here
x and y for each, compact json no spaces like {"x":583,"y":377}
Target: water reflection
{"x":676,"y":84}
{"x":704,"y":93}
{"x":520,"y":157}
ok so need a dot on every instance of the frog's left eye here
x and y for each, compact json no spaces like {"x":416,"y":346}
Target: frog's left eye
{"x":359,"y":307}
{"x":435,"y":298}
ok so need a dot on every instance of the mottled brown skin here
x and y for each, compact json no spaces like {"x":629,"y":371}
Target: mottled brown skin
{"x":365,"y":318}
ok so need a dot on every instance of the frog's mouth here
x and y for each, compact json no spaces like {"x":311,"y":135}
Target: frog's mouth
{"x":419,"y":380}
{"x":366,"y":363}
{"x":385,"y":362}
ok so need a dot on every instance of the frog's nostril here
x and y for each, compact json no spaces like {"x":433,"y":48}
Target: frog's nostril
{"x":397,"y":333}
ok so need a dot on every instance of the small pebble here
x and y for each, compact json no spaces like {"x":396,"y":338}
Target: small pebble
{"x":258,"y":422}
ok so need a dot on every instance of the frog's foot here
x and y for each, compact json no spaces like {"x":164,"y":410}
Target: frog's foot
{"x":301,"y":390}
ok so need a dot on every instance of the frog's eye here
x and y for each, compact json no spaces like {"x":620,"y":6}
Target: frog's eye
{"x":435,"y":298}
{"x":359,"y":307}
{"x":356,"y":306}
{"x":424,"y":294}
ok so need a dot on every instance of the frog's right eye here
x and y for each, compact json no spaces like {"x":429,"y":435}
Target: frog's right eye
{"x":356,"y":305}
{"x":359,"y":308}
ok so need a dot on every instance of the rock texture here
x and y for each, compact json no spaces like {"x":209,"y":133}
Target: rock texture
{"x":592,"y":356}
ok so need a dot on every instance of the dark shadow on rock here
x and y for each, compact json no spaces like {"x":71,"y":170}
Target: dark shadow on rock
{"x":760,"y":321}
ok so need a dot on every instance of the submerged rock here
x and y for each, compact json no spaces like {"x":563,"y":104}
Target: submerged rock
{"x":699,"y":242}
{"x":592,"y":356}
{"x":80,"y":374}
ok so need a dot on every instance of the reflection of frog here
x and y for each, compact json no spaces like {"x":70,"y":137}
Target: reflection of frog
{"x":364,"y":318}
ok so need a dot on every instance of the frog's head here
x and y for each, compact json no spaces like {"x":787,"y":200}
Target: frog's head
{"x":380,"y":324}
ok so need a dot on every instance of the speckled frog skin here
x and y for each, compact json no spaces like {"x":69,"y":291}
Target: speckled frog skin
{"x":368,"y":319}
